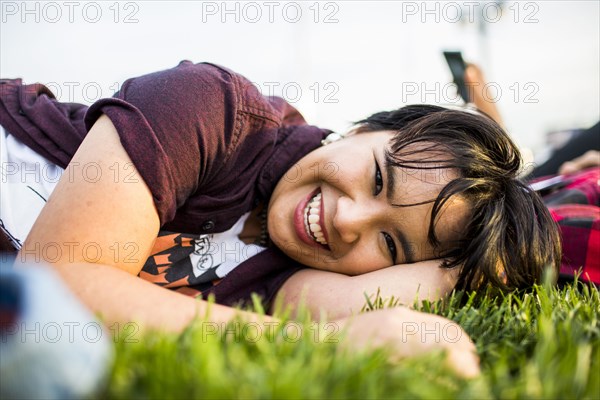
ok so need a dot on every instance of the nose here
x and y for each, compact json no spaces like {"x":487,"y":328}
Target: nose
{"x":353,"y":218}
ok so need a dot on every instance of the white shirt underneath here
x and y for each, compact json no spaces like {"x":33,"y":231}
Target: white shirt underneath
{"x":26,"y":181}
{"x":221,"y":252}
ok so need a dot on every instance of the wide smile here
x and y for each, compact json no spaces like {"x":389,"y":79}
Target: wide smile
{"x":309,"y":221}
{"x":313,"y":218}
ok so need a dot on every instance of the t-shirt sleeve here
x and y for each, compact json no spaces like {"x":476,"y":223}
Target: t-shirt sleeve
{"x":179,"y":126}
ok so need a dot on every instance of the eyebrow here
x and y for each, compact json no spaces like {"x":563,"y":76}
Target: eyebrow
{"x":391,"y":184}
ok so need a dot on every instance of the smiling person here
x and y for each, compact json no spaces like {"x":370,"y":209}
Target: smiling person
{"x":203,"y":185}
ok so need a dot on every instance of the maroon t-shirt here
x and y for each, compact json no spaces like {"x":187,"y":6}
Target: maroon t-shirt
{"x":206,"y":142}
{"x":209,"y":146}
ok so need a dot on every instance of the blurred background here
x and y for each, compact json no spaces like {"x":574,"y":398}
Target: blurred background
{"x":336,"y":61}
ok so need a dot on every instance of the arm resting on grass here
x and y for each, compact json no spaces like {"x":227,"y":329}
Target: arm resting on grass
{"x":340,"y":295}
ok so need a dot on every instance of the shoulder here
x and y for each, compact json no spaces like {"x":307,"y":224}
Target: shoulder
{"x":204,"y":85}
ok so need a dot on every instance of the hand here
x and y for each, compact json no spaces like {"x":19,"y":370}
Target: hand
{"x":590,"y":159}
{"x":409,"y":333}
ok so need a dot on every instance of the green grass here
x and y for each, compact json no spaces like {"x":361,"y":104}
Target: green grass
{"x":544,"y":344}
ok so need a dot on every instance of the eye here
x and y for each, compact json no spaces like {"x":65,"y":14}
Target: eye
{"x":378,"y":188}
{"x":391,"y":246}
{"x":378,"y":179}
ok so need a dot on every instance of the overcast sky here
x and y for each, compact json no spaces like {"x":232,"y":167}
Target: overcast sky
{"x":337,"y":61}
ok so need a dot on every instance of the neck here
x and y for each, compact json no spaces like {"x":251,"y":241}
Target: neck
{"x":254,"y":231}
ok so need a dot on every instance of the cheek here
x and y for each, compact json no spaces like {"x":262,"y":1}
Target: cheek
{"x":453,"y":220}
{"x":339,"y":159}
{"x":361,"y":261}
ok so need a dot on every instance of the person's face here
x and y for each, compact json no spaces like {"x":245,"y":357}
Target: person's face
{"x":334,"y":209}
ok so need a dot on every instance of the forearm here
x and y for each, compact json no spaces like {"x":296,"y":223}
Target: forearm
{"x":407,"y":332}
{"x":119,"y":297}
{"x":339,"y":295}
{"x":474,"y":78}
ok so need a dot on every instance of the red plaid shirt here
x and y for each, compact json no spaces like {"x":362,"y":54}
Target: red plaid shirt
{"x":576,"y":209}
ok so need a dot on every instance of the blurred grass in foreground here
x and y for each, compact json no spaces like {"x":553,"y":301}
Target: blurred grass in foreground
{"x":543,"y":344}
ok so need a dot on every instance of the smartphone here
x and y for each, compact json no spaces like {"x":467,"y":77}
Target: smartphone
{"x":457,"y":67}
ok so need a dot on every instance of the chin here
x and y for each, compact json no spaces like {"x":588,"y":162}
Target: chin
{"x":296,"y":250}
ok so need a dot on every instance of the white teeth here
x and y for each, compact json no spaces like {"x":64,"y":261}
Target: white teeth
{"x":312,"y":219}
